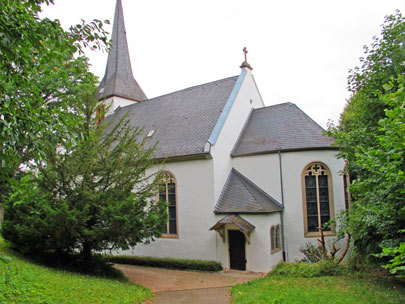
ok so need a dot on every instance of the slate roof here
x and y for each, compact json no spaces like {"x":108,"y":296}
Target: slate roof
{"x":243,"y":224}
{"x":280,"y":127}
{"x":182,"y":121}
{"x":240,"y":195}
{"x":118,"y":78}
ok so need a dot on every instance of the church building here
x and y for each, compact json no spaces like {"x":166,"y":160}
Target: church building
{"x":247,"y":184}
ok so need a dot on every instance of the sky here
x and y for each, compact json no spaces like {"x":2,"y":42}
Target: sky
{"x":300,"y":51}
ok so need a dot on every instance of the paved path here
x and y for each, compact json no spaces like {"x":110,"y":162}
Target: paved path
{"x":191,"y":287}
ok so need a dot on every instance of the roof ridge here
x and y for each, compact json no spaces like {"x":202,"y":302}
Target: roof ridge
{"x":277,"y":105}
{"x":178,"y":91}
{"x":192,"y":87}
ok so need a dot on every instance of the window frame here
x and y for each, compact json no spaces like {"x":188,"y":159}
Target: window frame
{"x":168,"y":177}
{"x":275,"y":238}
{"x":332,"y":232}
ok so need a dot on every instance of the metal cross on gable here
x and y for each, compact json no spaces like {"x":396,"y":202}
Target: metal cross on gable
{"x":245,"y":51}
{"x":245,"y":64}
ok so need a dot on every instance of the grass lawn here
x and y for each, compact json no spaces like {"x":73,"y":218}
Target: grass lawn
{"x":347,"y":289}
{"x":26,"y":283}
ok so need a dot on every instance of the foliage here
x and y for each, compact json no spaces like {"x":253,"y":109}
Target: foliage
{"x":168,"y":263}
{"x":312,"y":253}
{"x":306,"y":270}
{"x":324,"y":252}
{"x":371,"y":137}
{"x":91,"y":196}
{"x":384,"y":59}
{"x":396,"y":265}
{"x":347,"y":289}
{"x":42,"y":72}
{"x":22,"y":282}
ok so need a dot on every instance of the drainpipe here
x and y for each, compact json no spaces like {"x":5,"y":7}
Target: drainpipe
{"x":282,"y":203}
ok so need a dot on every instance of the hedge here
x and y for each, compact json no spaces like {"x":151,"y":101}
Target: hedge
{"x":168,"y":263}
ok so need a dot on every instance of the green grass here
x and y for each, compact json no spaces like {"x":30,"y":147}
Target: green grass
{"x":349,"y":288}
{"x":23,"y":282}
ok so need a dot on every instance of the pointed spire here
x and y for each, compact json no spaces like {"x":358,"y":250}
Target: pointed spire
{"x":118,"y":78}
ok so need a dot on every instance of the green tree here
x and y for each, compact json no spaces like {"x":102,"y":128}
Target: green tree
{"x":371,"y":140}
{"x":42,"y":71}
{"x":91,"y":196}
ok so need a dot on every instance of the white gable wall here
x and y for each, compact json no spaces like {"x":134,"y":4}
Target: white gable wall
{"x":247,"y":98}
{"x":263,"y":170}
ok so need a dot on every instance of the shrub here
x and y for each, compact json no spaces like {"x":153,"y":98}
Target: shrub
{"x":169,"y":263}
{"x":301,"y":269}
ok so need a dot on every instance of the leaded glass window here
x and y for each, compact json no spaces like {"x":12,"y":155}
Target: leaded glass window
{"x":167,"y":193}
{"x":317,"y":201}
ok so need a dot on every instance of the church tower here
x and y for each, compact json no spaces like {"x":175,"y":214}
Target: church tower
{"x":118,"y":86}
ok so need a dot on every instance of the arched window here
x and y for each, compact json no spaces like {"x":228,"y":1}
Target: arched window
{"x":275,"y":238}
{"x":168,"y":193}
{"x":317,"y":199}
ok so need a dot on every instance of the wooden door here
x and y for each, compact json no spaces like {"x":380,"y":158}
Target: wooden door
{"x":237,"y":257}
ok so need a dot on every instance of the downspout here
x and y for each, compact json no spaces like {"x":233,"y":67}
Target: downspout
{"x":282,"y":203}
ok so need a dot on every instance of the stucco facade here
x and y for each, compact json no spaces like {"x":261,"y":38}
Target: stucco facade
{"x":236,"y":166}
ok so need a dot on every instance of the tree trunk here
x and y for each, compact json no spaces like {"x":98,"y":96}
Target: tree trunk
{"x":86,"y":252}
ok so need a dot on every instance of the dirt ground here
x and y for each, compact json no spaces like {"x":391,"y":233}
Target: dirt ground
{"x":175,"y":286}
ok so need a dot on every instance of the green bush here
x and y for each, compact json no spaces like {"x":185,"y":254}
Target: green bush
{"x":306,"y":270}
{"x":169,"y":263}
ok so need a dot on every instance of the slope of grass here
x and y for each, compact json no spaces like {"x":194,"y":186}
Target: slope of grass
{"x":345,"y":289}
{"x":23,"y":282}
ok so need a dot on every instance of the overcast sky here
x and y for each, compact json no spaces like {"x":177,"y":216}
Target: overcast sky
{"x":300,"y":51}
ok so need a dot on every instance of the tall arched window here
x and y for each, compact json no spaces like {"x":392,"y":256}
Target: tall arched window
{"x":317,"y":199}
{"x":168,"y":193}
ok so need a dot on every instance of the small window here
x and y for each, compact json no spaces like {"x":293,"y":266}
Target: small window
{"x":317,"y":199}
{"x":275,"y":238}
{"x":167,"y":193}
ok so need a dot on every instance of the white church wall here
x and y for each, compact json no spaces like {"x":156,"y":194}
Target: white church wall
{"x":112,"y":103}
{"x":258,"y":252}
{"x":195,"y":215}
{"x":263,"y":170}
{"x":247,"y":98}
{"x":293,"y":164}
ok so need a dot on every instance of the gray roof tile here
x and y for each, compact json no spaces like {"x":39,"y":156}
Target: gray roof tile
{"x":118,"y":78}
{"x":240,"y":195}
{"x":280,"y":127}
{"x":182,"y":121}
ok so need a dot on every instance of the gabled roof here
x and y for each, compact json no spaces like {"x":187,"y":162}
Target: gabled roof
{"x":240,"y":195}
{"x":282,"y":127}
{"x":241,"y":223}
{"x":118,"y":78}
{"x":181,"y":121}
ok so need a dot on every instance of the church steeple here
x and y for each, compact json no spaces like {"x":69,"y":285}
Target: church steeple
{"x":118,"y":78}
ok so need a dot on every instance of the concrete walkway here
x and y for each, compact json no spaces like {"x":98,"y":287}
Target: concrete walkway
{"x":191,"y":287}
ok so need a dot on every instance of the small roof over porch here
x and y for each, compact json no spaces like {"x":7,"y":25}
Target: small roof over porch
{"x":244,"y":226}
